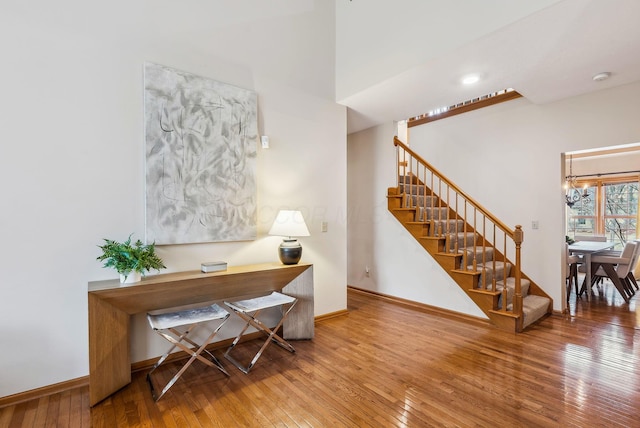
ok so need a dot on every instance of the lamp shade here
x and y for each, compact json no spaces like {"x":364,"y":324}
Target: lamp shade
{"x":289,"y":223}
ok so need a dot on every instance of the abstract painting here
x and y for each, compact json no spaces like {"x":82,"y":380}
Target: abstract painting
{"x":200,"y":142}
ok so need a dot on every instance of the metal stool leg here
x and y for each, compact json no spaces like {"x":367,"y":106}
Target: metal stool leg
{"x":249,"y":314}
{"x":194,"y":351}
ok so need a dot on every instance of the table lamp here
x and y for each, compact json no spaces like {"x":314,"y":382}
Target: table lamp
{"x":289,"y":224}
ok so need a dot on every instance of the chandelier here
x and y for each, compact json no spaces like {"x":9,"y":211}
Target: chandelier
{"x":572,"y":194}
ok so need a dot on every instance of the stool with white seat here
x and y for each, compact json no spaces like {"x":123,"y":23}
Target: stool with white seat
{"x":167,"y":324}
{"x":249,"y":310}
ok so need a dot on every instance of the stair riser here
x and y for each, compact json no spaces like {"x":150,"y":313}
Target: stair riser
{"x":447,"y":262}
{"x":404,"y":215}
{"x":394,"y":202}
{"x":424,"y":214}
{"x":486,"y":277}
{"x":468,"y":240}
{"x":443,"y":227}
{"x":433,"y":246}
{"x":414,"y":189}
{"x":418,"y":230}
{"x":483,"y":300}
{"x":482,"y":255}
{"x":420,"y":201}
{"x":408,"y":179}
{"x":464,"y":280}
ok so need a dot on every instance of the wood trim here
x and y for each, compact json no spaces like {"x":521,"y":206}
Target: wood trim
{"x":55,"y":388}
{"x":422,"y":307}
{"x":475,"y":105}
{"x":604,"y":152}
{"x":330,"y":315}
{"x":598,"y":183}
{"x":613,"y":179}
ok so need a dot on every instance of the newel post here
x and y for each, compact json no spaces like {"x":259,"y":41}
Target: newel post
{"x":518,"y":237}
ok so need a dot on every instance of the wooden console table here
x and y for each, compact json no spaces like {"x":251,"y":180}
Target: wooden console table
{"x":111,"y":304}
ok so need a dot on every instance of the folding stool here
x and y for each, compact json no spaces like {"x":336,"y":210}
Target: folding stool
{"x":249,"y":310}
{"x":166,"y":326}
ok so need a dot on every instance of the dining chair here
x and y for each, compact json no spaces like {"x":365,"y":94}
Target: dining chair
{"x":634,"y":262}
{"x":573,"y":260}
{"x":634,"y":265}
{"x":617,"y":269}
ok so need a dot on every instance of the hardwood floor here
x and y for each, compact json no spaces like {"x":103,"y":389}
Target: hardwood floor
{"x":606,"y":306}
{"x":387,"y":365}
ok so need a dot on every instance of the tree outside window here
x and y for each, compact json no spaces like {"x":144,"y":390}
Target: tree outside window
{"x":611,"y":210}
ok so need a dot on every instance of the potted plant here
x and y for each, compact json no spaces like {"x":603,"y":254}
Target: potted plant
{"x":130,"y":260}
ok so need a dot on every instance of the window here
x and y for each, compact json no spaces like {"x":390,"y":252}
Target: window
{"x":611,"y":210}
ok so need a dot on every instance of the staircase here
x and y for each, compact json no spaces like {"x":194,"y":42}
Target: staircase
{"x":477,"y":250}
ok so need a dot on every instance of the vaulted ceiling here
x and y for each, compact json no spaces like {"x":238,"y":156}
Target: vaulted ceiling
{"x":546,"y":54}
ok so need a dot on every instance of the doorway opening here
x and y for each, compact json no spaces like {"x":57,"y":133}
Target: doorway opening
{"x":602,"y":203}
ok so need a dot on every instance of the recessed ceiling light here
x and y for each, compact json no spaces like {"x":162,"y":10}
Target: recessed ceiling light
{"x":470,"y":79}
{"x":601,"y":76}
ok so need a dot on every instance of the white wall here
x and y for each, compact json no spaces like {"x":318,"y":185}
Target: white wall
{"x":508,"y":158}
{"x":398,"y":264}
{"x":72,"y":153}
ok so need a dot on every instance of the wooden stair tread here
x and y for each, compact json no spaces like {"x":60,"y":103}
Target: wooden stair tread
{"x":503,"y":313}
{"x":467,"y":272}
{"x":444,"y":253}
{"x":488,"y":292}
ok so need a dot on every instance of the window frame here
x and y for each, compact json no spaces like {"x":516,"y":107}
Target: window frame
{"x":600,"y":217}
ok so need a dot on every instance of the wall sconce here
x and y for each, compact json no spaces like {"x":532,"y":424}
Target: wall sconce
{"x":289,"y":224}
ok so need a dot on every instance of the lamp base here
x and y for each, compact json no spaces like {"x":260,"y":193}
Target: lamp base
{"x":290,"y":251}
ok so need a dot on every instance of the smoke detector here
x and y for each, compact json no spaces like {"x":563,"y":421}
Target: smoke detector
{"x":601,"y":76}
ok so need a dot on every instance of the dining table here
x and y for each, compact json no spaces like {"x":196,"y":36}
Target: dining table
{"x":587,"y":249}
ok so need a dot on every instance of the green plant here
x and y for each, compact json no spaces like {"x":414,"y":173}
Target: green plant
{"x":125,"y":257}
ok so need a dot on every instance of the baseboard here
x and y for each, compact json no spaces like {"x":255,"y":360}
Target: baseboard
{"x":330,"y":315}
{"x":33,"y":394}
{"x":422,"y":307}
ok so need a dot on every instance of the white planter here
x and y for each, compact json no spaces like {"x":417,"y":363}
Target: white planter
{"x":131,"y":278}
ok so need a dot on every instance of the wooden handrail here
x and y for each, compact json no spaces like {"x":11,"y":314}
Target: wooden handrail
{"x":426,"y":192}
{"x":507,"y":229}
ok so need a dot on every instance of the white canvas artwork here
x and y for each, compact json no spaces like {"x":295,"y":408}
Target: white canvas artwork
{"x":201,"y":142}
